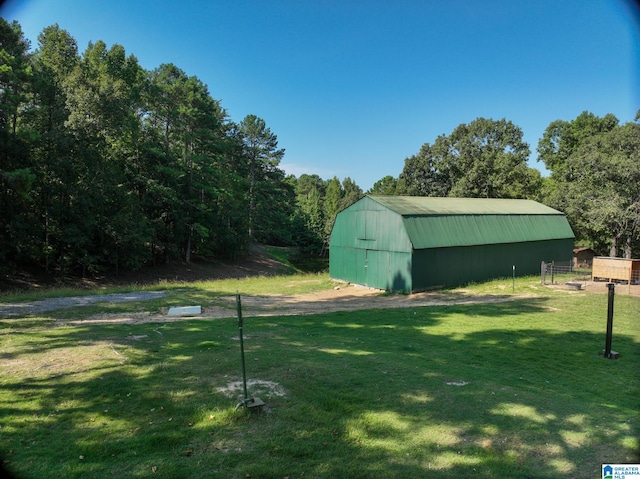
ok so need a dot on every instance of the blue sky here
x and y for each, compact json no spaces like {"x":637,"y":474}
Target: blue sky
{"x":353,"y":87}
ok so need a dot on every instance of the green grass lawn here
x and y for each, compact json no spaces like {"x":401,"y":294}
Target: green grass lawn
{"x":515,"y":389}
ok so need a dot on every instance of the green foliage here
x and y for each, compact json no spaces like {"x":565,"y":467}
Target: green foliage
{"x":561,"y":138}
{"x":16,"y":172}
{"x":423,"y":173}
{"x":105,"y":166}
{"x":318,"y":204}
{"x":260,"y":149}
{"x":310,"y":196}
{"x":384,"y":186}
{"x":331,"y":206}
{"x":595,"y":179}
{"x":351,"y":193}
{"x":483,"y":159}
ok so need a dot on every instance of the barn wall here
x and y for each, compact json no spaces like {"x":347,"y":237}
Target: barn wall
{"x":460,"y":265}
{"x":369,"y":225}
{"x":369,"y":246}
{"x":388,"y":270}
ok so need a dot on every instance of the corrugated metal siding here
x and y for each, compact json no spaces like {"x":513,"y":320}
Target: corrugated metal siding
{"x":465,"y":264}
{"x":467,"y":230}
{"x":368,"y":225}
{"x":386,"y":270}
{"x":370,"y":246}
{"x":401,"y":265}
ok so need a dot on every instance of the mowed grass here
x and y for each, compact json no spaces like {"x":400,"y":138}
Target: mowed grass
{"x":210,"y":293}
{"x":513,"y":389}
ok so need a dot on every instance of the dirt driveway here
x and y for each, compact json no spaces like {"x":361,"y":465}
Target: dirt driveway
{"x":349,"y":298}
{"x":343,"y":298}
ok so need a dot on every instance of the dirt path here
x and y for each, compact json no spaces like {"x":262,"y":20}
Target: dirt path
{"x":348,"y":298}
{"x":41,"y":306}
{"x":344,"y":298}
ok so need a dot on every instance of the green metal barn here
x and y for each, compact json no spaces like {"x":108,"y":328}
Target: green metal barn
{"x":410,"y":243}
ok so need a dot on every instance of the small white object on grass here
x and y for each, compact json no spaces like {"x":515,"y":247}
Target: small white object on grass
{"x":185,"y":311}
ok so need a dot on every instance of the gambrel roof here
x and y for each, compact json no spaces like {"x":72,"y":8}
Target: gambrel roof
{"x":445,"y":222}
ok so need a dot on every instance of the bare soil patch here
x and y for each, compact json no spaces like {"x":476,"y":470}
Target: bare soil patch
{"x":601,"y":287}
{"x":257,"y":386}
{"x":344,"y":298}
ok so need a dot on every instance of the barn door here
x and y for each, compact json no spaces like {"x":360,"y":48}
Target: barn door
{"x":363,"y":268}
{"x":369,"y":267}
{"x":377,"y":269}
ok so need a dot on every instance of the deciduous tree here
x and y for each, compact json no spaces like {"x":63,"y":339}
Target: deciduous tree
{"x":483,"y":159}
{"x":600,"y":188}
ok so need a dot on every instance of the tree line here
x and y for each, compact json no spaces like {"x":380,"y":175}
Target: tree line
{"x":594,"y":166}
{"x":106,"y":166}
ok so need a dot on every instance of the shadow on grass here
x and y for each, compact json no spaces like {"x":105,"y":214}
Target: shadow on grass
{"x":492,"y":390}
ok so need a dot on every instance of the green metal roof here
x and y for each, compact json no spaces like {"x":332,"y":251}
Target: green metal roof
{"x":468,"y":230}
{"x":445,"y":222}
{"x":426,"y":205}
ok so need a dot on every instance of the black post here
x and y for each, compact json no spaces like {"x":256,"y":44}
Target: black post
{"x":607,"y":347}
{"x":244,"y":374}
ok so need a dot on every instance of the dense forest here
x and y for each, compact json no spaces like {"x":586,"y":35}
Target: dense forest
{"x":106,"y":167}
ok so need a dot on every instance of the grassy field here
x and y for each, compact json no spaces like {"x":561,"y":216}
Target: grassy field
{"x":515,"y":389}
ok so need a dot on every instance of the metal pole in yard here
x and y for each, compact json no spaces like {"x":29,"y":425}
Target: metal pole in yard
{"x":244,"y":373}
{"x":254,"y":403}
{"x":513,"y":284}
{"x":552,"y":272}
{"x":608,"y":354}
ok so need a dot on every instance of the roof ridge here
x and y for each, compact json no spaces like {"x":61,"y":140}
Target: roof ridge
{"x":438,"y":205}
